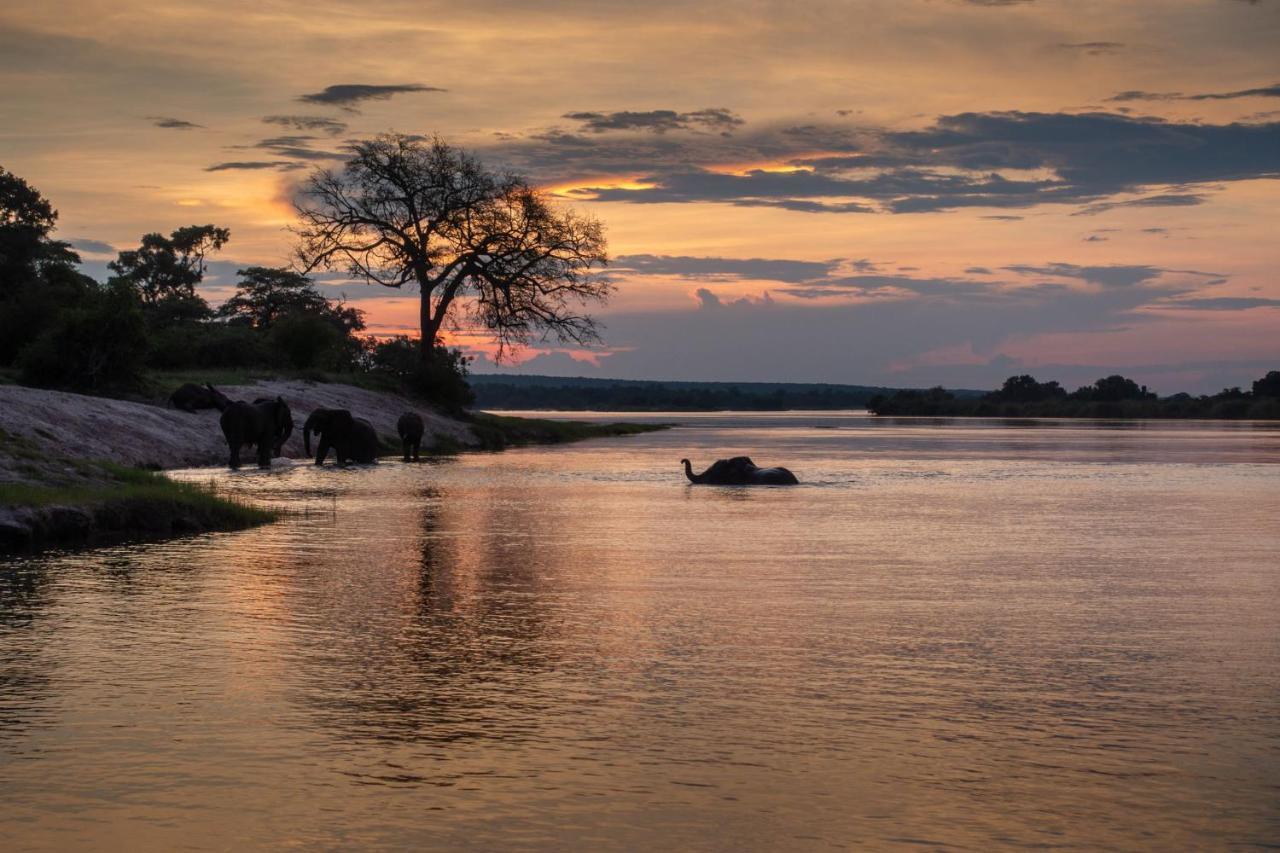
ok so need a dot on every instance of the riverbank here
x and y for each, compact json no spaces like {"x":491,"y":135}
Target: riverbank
{"x":48,"y":499}
{"x":77,"y":470}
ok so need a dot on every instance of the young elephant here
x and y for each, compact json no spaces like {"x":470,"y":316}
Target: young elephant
{"x":191,"y":397}
{"x":264,"y":423}
{"x":411,"y":427}
{"x":351,"y":438}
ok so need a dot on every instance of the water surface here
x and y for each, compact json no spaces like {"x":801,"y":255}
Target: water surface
{"x":972,"y":633}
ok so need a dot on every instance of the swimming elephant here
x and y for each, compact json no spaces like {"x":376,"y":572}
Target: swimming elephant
{"x":191,"y":397}
{"x":351,"y":438}
{"x":739,"y":471}
{"x":410,"y":427}
{"x":265,"y":423}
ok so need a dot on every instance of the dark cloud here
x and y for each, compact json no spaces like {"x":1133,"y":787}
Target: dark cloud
{"x":1095,"y":238}
{"x":1113,"y":275}
{"x":250,"y":165}
{"x":888,"y":285}
{"x":1166,"y":200}
{"x":757,"y":269}
{"x":658,"y":121}
{"x":1222,"y":303}
{"x":93,"y":247}
{"x":296,"y":147}
{"x":173,"y":123}
{"x":1000,"y":160}
{"x":977,"y":271}
{"x":331,"y":126}
{"x":1272,"y":91}
{"x":1092,"y":48}
{"x":348,"y":95}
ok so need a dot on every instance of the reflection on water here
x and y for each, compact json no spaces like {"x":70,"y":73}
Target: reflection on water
{"x":979,"y":633}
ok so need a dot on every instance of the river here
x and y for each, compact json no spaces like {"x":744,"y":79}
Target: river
{"x":971,"y":633}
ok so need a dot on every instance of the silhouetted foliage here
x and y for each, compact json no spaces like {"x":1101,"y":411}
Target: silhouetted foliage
{"x":1109,"y":397}
{"x":65,"y":330}
{"x":442,"y":379}
{"x":163,"y":267}
{"x":483,"y":248}
{"x":1025,"y":389}
{"x":38,"y":276}
{"x":99,"y":344}
{"x":1268,"y":386}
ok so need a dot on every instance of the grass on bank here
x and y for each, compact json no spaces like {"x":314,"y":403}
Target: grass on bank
{"x":141,"y":492}
{"x":108,"y":501}
{"x":499,"y":431}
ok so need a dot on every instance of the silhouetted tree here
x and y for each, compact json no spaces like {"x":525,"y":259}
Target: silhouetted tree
{"x":1113,"y":389}
{"x":170,"y":267}
{"x":264,"y":295}
{"x":483,"y":248}
{"x":1025,"y":389}
{"x":1267,"y":386}
{"x":38,"y":275}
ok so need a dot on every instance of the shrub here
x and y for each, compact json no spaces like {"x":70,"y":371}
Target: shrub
{"x":98,"y":345}
{"x":442,"y":381}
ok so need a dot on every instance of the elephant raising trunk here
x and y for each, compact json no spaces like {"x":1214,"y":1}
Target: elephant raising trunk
{"x":739,"y":471}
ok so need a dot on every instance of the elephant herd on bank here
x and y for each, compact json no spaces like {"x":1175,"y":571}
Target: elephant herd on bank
{"x":266,"y":424}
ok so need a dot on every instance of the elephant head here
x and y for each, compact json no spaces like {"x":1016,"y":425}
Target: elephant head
{"x":337,"y":422}
{"x":220,"y":401}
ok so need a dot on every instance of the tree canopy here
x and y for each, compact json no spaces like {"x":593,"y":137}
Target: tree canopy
{"x":486,"y":250}
{"x":167,"y":267}
{"x":266,"y":295}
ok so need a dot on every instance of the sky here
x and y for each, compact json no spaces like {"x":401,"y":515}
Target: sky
{"x":889,"y":192}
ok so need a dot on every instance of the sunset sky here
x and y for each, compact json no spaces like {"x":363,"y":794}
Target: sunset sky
{"x":902,"y":192}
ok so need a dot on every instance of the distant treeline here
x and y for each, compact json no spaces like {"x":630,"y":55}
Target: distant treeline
{"x":582,"y":394}
{"x":1109,"y":397}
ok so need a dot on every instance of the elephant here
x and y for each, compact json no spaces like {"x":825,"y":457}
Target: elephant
{"x":191,"y":397}
{"x":351,"y":438}
{"x":740,"y":471}
{"x":411,"y":427}
{"x":265,"y":423}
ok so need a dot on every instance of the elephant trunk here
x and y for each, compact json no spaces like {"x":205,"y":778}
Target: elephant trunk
{"x":688,"y":471}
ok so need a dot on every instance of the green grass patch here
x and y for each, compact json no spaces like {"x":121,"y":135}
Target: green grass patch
{"x":498,"y":431}
{"x":141,"y":490}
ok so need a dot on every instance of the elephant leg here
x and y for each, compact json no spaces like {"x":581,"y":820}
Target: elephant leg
{"x":417,"y":447}
{"x":322,"y":450}
{"x":408,"y":450}
{"x":264,"y":454}
{"x":234,"y":460}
